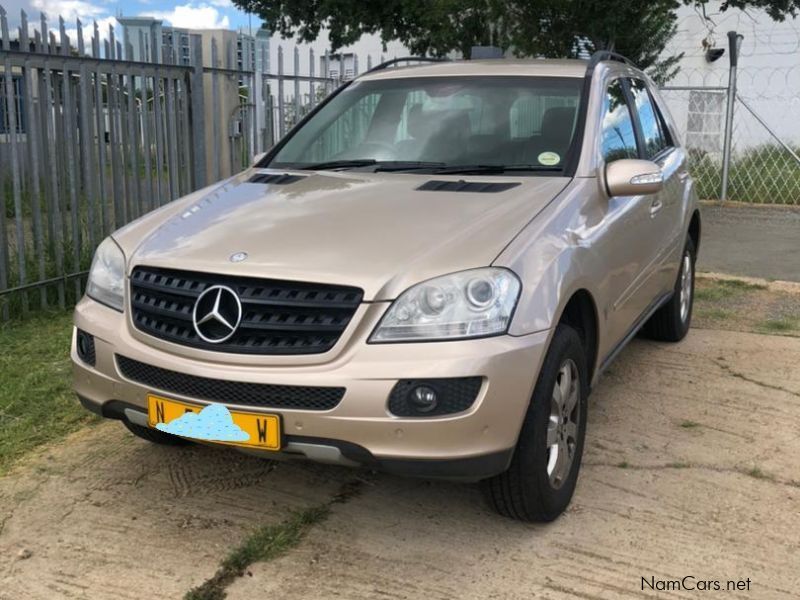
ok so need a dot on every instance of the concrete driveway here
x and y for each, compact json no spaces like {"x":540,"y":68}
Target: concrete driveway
{"x":691,"y":469}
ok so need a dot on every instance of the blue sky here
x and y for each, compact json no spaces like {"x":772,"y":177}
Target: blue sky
{"x":201,"y":14}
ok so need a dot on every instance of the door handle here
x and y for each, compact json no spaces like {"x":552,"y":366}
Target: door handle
{"x":656,"y":206}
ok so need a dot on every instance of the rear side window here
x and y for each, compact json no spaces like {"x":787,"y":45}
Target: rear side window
{"x":618,"y":139}
{"x":655,"y":139}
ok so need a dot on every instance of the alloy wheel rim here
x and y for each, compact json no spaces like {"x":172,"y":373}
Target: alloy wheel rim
{"x":562,"y":427}
{"x":686,"y":287}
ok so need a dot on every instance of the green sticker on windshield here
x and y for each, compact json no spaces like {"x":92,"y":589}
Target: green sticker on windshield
{"x":548,"y":159}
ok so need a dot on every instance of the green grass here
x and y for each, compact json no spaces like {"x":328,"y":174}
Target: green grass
{"x":757,"y":473}
{"x":715,"y":290}
{"x":719,"y":314}
{"x":679,"y":465}
{"x":780,"y":325}
{"x":37,"y":404}
{"x":689,"y":424}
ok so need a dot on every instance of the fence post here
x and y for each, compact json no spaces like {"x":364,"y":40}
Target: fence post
{"x":281,"y":113}
{"x":198,"y":115}
{"x":215,"y":111}
{"x":297,"y":103}
{"x":734,"y":42}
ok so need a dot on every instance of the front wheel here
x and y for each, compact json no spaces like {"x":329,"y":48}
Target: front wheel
{"x":540,"y":481}
{"x":671,"y":322}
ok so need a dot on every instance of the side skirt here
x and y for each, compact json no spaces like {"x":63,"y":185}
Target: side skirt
{"x":638,"y":324}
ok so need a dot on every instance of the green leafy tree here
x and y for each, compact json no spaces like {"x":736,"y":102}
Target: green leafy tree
{"x":639,"y":29}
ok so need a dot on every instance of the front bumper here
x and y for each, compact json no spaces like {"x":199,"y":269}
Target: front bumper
{"x":472,"y":444}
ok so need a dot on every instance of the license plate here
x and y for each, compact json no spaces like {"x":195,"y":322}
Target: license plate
{"x":264,"y":430}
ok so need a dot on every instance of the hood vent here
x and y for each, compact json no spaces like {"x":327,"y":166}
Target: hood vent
{"x":481,"y":187}
{"x":275,"y":178}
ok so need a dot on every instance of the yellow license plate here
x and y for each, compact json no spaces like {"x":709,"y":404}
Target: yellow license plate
{"x":264,"y":430}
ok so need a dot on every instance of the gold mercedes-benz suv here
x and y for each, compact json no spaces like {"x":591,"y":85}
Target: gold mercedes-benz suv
{"x":426,"y":276}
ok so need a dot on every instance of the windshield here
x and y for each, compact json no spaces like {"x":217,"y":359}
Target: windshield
{"x":478,"y":123}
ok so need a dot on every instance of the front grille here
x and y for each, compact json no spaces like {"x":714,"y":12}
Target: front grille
{"x":278,"y":317}
{"x":233,"y":392}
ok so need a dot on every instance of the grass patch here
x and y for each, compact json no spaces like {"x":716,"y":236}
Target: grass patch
{"x":718,"y":314}
{"x":689,"y":424}
{"x":678,"y":465}
{"x":715,"y":290}
{"x":757,"y":473}
{"x":779,"y":325}
{"x":623,"y":465}
{"x":268,"y":543}
{"x":37,"y":404}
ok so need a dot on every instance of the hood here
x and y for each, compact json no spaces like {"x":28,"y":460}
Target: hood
{"x":376,"y":231}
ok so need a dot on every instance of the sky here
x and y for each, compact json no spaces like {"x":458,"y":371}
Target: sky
{"x":202,"y":14}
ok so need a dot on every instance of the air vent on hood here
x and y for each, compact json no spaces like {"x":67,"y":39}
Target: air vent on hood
{"x":275,"y":178}
{"x":482,"y":187}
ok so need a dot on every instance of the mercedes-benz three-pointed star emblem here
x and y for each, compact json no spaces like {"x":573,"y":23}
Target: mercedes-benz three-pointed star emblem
{"x":217,"y":314}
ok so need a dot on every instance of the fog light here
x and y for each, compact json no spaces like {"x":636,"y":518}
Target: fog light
{"x":423,"y":398}
{"x":84,"y":343}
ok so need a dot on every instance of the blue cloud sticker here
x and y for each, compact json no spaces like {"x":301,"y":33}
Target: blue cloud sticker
{"x":214,"y":424}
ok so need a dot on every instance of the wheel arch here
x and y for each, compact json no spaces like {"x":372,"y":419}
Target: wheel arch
{"x":694,"y":230}
{"x":580,"y":313}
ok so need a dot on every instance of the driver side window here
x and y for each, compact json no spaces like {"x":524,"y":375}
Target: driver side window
{"x":617,"y":139}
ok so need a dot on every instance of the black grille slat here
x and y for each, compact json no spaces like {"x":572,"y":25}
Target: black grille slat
{"x":230,"y":392}
{"x":278,"y":317}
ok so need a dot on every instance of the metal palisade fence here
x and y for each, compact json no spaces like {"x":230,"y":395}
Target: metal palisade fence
{"x":90,"y":140}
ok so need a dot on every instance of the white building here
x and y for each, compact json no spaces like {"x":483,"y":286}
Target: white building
{"x":146,"y":39}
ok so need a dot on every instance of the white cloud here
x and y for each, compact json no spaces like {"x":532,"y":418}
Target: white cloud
{"x":203,"y":16}
{"x":221,"y":3}
{"x":70,"y":9}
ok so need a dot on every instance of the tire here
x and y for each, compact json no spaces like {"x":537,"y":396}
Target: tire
{"x":155,"y":436}
{"x":529,"y":490}
{"x":671,"y":322}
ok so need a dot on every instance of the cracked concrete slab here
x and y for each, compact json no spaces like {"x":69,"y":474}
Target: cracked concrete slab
{"x":690,"y":469}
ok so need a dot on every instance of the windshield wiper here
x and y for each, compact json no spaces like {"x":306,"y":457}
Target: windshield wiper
{"x":406,"y":165}
{"x":489,"y":169}
{"x":340,"y":164}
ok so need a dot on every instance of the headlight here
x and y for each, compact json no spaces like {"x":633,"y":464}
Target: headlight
{"x":469,"y":304}
{"x":107,"y":275}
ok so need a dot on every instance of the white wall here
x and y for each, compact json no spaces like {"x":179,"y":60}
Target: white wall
{"x":769,"y":67}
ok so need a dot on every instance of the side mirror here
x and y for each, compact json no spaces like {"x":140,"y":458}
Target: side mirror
{"x":633,"y":177}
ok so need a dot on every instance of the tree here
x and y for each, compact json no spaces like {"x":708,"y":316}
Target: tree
{"x":639,"y":29}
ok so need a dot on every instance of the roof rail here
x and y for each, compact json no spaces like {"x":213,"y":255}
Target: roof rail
{"x":602,"y":55}
{"x":395,"y":61}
